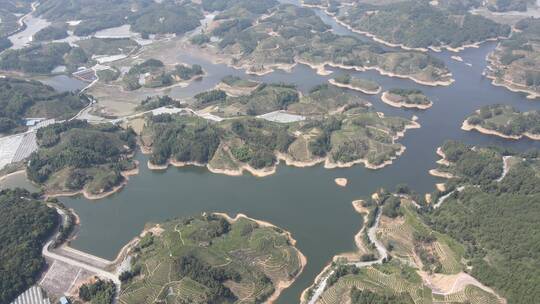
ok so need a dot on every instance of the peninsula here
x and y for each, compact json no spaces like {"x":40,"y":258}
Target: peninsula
{"x":75,"y":157}
{"x":365,"y":86}
{"x":352,"y":133}
{"x":212,"y":258}
{"x":281,"y":36}
{"x":398,"y":255}
{"x":516,"y":61}
{"x":504,"y":121}
{"x":410,"y":25}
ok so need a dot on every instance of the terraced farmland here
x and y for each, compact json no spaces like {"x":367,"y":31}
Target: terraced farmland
{"x":211,"y":259}
{"x":401,"y":235}
{"x":400,"y":283}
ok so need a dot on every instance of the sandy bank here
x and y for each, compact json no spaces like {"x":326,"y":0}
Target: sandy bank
{"x":263,"y":172}
{"x":328,"y":164}
{"x":297,"y":163}
{"x":340,"y":181}
{"x":468,"y":127}
{"x":494,"y":65}
{"x":441,"y":187}
{"x":280,"y":285}
{"x":230,"y":172}
{"x":386,"y":98}
{"x":351,"y":87}
{"x":320,"y":68}
{"x":322,"y":71}
{"x":217,"y":58}
{"x":437,"y":173}
{"x":443,"y":160}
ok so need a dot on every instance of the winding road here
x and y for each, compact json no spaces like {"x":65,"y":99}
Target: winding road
{"x":381,"y":250}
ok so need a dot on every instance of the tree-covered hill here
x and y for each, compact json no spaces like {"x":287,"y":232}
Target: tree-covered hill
{"x":419,"y":24}
{"x":496,"y":219}
{"x":211,"y":259}
{"x":515,"y":63}
{"x":25,"y":225}
{"x":21,"y":98}
{"x":147,"y":17}
{"x":77,"y":156}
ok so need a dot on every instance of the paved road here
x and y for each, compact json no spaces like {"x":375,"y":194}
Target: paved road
{"x":70,"y":261}
{"x":382,"y":252}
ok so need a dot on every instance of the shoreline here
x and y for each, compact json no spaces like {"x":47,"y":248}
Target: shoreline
{"x":513,"y":87}
{"x":328,"y":164}
{"x":217,"y":58}
{"x":419,"y":49}
{"x":385,"y":98}
{"x":229,"y":172}
{"x":348,"y":86}
{"x":468,"y":127}
{"x":280,"y":285}
{"x":320,"y":68}
{"x":263,"y":172}
{"x":437,"y":173}
{"x":126,"y":174}
{"x":492,"y":65}
{"x":349,"y":256}
{"x":234,"y":91}
{"x":443,"y":160}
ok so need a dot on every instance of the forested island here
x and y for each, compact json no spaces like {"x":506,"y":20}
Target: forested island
{"x":515,"y":63}
{"x":420,"y":25}
{"x":26,"y":225}
{"x":504,"y":121}
{"x":492,"y":209}
{"x":352,"y":134}
{"x":272,"y":36}
{"x":366,"y":86}
{"x":20,"y":99}
{"x":406,"y":98}
{"x":75,"y":157}
{"x":211,"y":258}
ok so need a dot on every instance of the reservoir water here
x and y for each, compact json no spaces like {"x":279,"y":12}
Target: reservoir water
{"x":304,"y":201}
